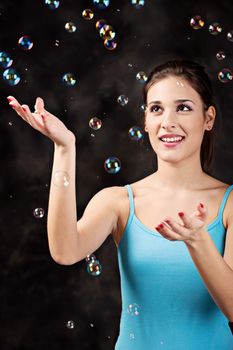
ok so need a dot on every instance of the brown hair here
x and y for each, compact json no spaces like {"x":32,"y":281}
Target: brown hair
{"x":195,"y":74}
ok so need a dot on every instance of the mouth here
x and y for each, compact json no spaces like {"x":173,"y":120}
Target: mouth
{"x":172,"y":143}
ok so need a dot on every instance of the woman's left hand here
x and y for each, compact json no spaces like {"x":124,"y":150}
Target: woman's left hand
{"x":190,"y":230}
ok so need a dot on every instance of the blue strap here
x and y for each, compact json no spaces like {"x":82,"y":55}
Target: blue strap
{"x":223,"y":203}
{"x":131,"y":202}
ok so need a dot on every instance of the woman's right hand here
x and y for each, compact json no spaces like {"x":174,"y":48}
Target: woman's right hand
{"x":43,"y":121}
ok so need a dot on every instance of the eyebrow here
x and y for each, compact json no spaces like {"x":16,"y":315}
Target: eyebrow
{"x":179,"y":100}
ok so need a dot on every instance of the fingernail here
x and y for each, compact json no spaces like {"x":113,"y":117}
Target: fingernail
{"x":12,"y":106}
{"x":167,"y":220}
{"x":202,"y":205}
{"x":9,"y":98}
{"x":181,"y":213}
{"x":24,"y":109}
{"x":160,"y":225}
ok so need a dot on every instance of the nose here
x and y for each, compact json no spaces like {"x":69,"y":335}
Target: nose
{"x":169,"y":119}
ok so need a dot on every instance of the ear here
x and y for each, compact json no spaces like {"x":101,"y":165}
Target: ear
{"x":210,"y":116}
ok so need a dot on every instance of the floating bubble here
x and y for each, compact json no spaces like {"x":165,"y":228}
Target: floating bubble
{"x":87,"y":14}
{"x":38,"y":213}
{"x":102,"y":4}
{"x":11,"y":76}
{"x":94,"y":268}
{"x":100,"y":23}
{"x":61,"y":178}
{"x":230,"y":35}
{"x":132,"y":336}
{"x":225,"y":75}
{"x":110,"y":44}
{"x":95,"y":123}
{"x":142,"y":77}
{"x":25,"y":43}
{"x":91,"y":325}
{"x":220,"y":55}
{"x":197,"y":22}
{"x":143,"y":107}
{"x":52,"y":4}
{"x":69,"y":79}
{"x":90,"y":258}
{"x":122,"y":100}
{"x":112,"y":165}
{"x":70,"y":324}
{"x":135,"y":133}
{"x":107,"y":32}
{"x":215,"y":28}
{"x":133,"y":309}
{"x":5,"y":59}
{"x":70,"y":27}
{"x":138,"y":3}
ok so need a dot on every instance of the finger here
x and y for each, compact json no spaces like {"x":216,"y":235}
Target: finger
{"x":18,"y":108}
{"x":30,"y":118}
{"x":185,"y":218}
{"x":168,"y":233}
{"x":39,"y":105}
{"x":180,"y":229}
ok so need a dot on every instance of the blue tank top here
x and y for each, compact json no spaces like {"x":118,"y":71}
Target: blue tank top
{"x":165,"y":303}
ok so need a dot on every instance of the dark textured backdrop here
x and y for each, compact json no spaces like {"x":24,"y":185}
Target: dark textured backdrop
{"x":38,"y":296}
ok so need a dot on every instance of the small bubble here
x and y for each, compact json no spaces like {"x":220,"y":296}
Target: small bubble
{"x":110,"y":44}
{"x":141,"y":77}
{"x":87,"y":14}
{"x":70,"y":27}
{"x":107,"y":32}
{"x":38,"y":213}
{"x":95,"y":123}
{"x":133,"y":309}
{"x":11,"y":76}
{"x":52,"y":4}
{"x":25,"y":43}
{"x":220,"y":55}
{"x":138,"y":3}
{"x":215,"y":28}
{"x":225,"y":75}
{"x":5,"y":59}
{"x":61,"y":179}
{"x":102,"y":4}
{"x":100,"y":23}
{"x":90,"y":258}
{"x":70,"y":324}
{"x":135,"y":133}
{"x":197,"y":22}
{"x":112,"y":165}
{"x":122,"y":100}
{"x":94,"y":268}
{"x":69,"y":79}
{"x":230,"y":35}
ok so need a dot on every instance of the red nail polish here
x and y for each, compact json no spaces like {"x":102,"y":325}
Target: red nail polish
{"x":161,"y":225}
{"x":202,"y":206}
{"x":181,"y":213}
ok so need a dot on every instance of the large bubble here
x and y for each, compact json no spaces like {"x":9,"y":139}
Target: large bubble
{"x":5,"y":59}
{"x":11,"y":76}
{"x":225,"y":75}
{"x":112,"y":165}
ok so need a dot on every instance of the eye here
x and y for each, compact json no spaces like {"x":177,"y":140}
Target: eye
{"x":183,"y":105}
{"x":153,"y":108}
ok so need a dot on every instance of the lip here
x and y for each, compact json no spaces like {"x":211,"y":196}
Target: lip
{"x":171,"y":135}
{"x":171,"y":144}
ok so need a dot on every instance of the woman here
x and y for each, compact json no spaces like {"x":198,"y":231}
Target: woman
{"x":176,"y":270}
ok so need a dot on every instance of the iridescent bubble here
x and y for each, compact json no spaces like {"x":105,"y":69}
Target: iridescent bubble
{"x":52,"y":4}
{"x":69,"y":79}
{"x":220,"y":55}
{"x":143,"y":107}
{"x":112,"y":165}
{"x":70,"y":324}
{"x":133,"y":309}
{"x":142,"y":77}
{"x":102,"y":4}
{"x":215,"y":28}
{"x":100,"y":23}
{"x":61,"y":178}
{"x":135,"y":133}
{"x":110,"y":44}
{"x":94,"y":268}
{"x":138,"y":3}
{"x":11,"y":76}
{"x":70,"y":27}
{"x":95,"y":123}
{"x":107,"y":32}
{"x":5,"y":59}
{"x":90,"y":258}
{"x":38,"y":213}
{"x":230,"y":35}
{"x":225,"y":75}
{"x":87,"y":14}
{"x":122,"y":100}
{"x":25,"y":42}
{"x":197,"y":22}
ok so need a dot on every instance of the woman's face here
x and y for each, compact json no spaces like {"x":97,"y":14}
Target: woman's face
{"x":174,"y":107}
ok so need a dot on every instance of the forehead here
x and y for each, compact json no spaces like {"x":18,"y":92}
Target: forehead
{"x":171,"y":88}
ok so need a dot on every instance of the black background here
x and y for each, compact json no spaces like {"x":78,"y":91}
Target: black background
{"x":38,"y":296}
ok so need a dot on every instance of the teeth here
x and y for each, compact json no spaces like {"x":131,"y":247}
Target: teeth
{"x":171,"y":139}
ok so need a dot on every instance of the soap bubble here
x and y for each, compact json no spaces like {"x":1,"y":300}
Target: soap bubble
{"x":11,"y":76}
{"x":90,"y":258}
{"x":112,"y":165}
{"x":70,"y":324}
{"x":225,"y":75}
{"x":135,"y":133}
{"x":107,"y":32}
{"x":133,"y":309}
{"x":122,"y":100}
{"x":52,"y":4}
{"x":61,"y":178}
{"x":141,"y":76}
{"x":220,"y":55}
{"x":95,"y":123}
{"x":38,"y":213}
{"x":70,"y":27}
{"x":94,"y":268}
{"x":110,"y":44}
{"x":25,"y":42}
{"x":143,"y":107}
{"x":131,"y":336}
{"x":5,"y":59}
{"x":215,"y":28}
{"x":100,"y":23}
{"x":102,"y":4}
{"x":230,"y":35}
{"x":69,"y":79}
{"x":87,"y":14}
{"x":138,"y":3}
{"x":197,"y":22}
